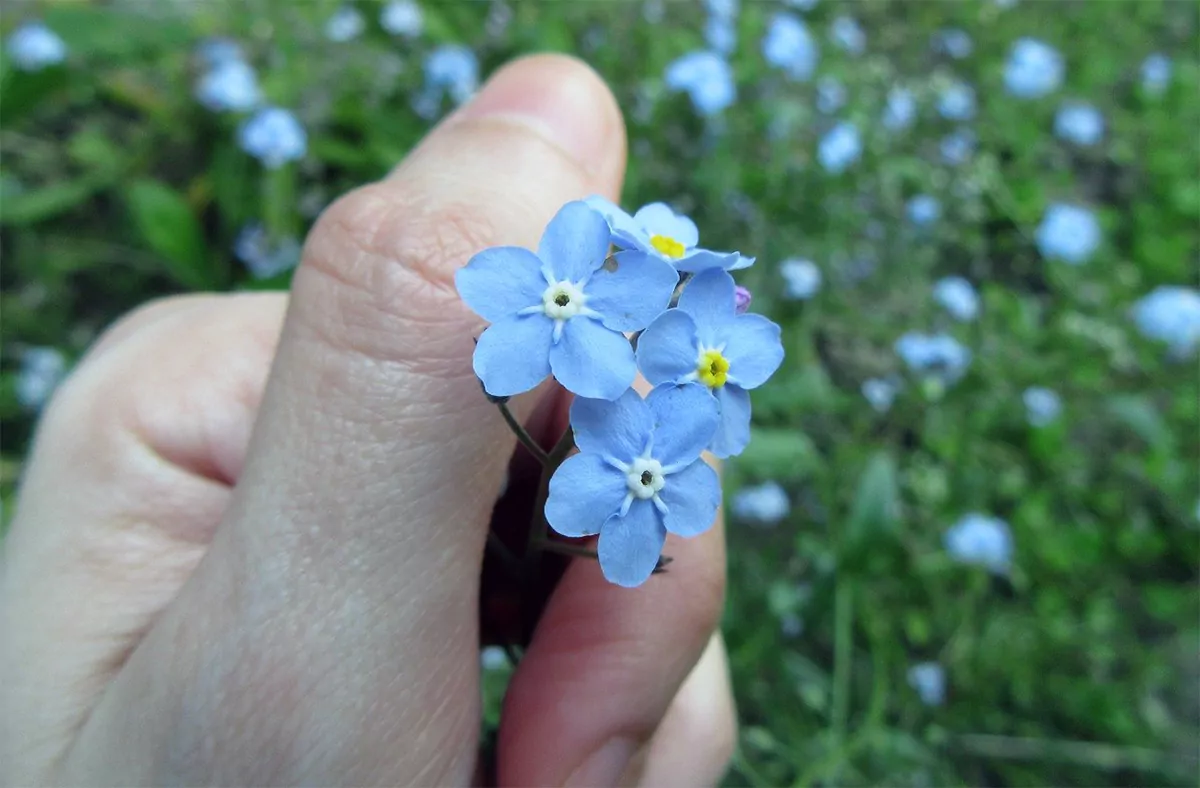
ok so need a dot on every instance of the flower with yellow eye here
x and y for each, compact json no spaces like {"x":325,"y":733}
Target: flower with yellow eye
{"x":657,"y":230}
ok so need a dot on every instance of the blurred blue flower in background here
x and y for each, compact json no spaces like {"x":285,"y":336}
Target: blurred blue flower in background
{"x":924,"y":209}
{"x":402,"y":18}
{"x":831,"y":95}
{"x":957,"y":146}
{"x":939,"y":355}
{"x":790,"y":47}
{"x":980,"y":539}
{"x":956,"y":101}
{"x":1042,"y":406}
{"x":720,"y":34}
{"x":707,"y":79}
{"x":723,"y":9}
{"x":880,"y":393}
{"x":230,"y":86}
{"x":801,"y":279}
{"x":954,"y":42}
{"x":764,"y":504}
{"x":1069,"y":233}
{"x":839,"y":148}
{"x":452,"y":70}
{"x":212,"y":52}
{"x":262,"y":258}
{"x":801,"y":5}
{"x":848,"y":35}
{"x":493,"y":658}
{"x":273,"y":136}
{"x":928,"y":680}
{"x":42,"y":369}
{"x":1033,"y":69}
{"x":957,"y":296}
{"x":1079,"y":123}
{"x":901,"y":109}
{"x":1156,"y":73}
{"x":1170,"y":314}
{"x":346,"y":24}
{"x":33,"y":47}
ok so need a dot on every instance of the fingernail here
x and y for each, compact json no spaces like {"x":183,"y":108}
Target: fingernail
{"x":561,"y":99}
{"x":605,"y":766}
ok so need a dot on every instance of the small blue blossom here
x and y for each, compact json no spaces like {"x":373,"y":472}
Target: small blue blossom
{"x":1079,"y":123}
{"x":831,"y":95}
{"x":346,"y":24}
{"x":954,"y":42}
{"x":848,"y":35}
{"x":720,"y":34}
{"x":957,"y":296}
{"x":707,"y":79}
{"x":653,"y":11}
{"x":452,"y":69}
{"x":33,"y":47}
{"x":765,"y":504}
{"x":839,"y":148}
{"x":1156,"y":74}
{"x":231,"y":86}
{"x":924,"y":210}
{"x":42,"y":369}
{"x":657,"y":230}
{"x":980,"y":539}
{"x":402,"y":18}
{"x":216,"y":51}
{"x":273,"y":136}
{"x":706,"y":341}
{"x":563,"y":310}
{"x":1042,"y":406}
{"x":940,"y":355}
{"x":956,"y":101}
{"x":722,"y":9}
{"x":1068,"y":233}
{"x":1033,"y":69}
{"x":637,"y":477}
{"x":901,"y":109}
{"x":493,"y":658}
{"x":880,"y":393}
{"x":928,"y":680}
{"x":1170,"y":314}
{"x":801,"y":279}
{"x":263,"y":257}
{"x":957,"y":147}
{"x":801,"y":5}
{"x":789,"y":47}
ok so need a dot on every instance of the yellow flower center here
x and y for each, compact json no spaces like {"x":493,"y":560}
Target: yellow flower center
{"x":712,"y":369}
{"x":667,"y":246}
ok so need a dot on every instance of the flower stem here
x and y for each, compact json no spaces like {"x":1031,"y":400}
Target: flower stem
{"x":522,"y":435}
{"x":562,"y":548}
{"x":539,"y":526}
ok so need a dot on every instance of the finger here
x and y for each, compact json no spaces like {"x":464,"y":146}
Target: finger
{"x":329,"y":635}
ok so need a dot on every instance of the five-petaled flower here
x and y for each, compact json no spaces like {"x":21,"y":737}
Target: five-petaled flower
{"x":705,"y":342}
{"x":637,"y":477}
{"x":657,"y":230}
{"x":563,"y":310}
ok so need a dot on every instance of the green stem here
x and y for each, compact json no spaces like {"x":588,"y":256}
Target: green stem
{"x":843,"y":655}
{"x":522,"y":435}
{"x":539,"y":528}
{"x":562,"y":548}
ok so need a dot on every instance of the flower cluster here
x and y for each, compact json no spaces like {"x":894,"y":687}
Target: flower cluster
{"x":593,"y":316}
{"x":33,"y":47}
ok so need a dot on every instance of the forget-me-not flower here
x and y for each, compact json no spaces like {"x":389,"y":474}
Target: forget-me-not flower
{"x":273,"y":136}
{"x":789,"y":47}
{"x":957,"y":146}
{"x":980,"y":539}
{"x":831,"y":95}
{"x":923,"y":210}
{"x":801,"y":278}
{"x":1156,"y":73}
{"x":839,"y":148}
{"x":1079,"y":123}
{"x":230,"y":86}
{"x":564,"y":309}
{"x":928,"y":680}
{"x":262,"y":256}
{"x":346,"y":24}
{"x":42,"y":369}
{"x":720,"y":34}
{"x":956,"y":101}
{"x":638,"y":476}
{"x":901,"y":109}
{"x":33,"y":47}
{"x":880,"y":393}
{"x":493,"y":658}
{"x":801,"y":5}
{"x":1034,"y":69}
{"x":1042,"y":406}
{"x":940,"y":355}
{"x":212,"y":52}
{"x":1069,"y":233}
{"x":402,"y":18}
{"x":452,"y":69}
{"x":954,"y":41}
{"x":657,"y":230}
{"x":764,"y":504}
{"x":957,"y":296}
{"x":848,"y":35}
{"x":1170,"y":314}
{"x":707,"y":79}
{"x":705,"y":341}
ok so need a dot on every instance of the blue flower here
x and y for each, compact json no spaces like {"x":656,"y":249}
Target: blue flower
{"x":273,"y":136}
{"x":213,"y":52}
{"x":847,"y":34}
{"x":956,"y":101}
{"x":765,"y":504}
{"x":957,"y":296}
{"x":980,"y":539}
{"x":263,"y":257}
{"x":402,"y":18}
{"x":33,"y":47}
{"x":801,"y":5}
{"x":1033,"y":69}
{"x":706,"y":78}
{"x":638,"y":476}
{"x":720,"y":34}
{"x":801,"y":278}
{"x":1156,"y":74}
{"x":901,"y":109}
{"x":1068,"y":233}
{"x":789,"y":47}
{"x":839,"y":148}
{"x":346,"y":24}
{"x":230,"y":86}
{"x":1042,"y":406}
{"x":924,"y":209}
{"x":722,"y":9}
{"x":657,"y":230}
{"x":955,"y":42}
{"x":928,"y":679}
{"x":42,"y":369}
{"x":956,"y":147}
{"x":706,"y":341}
{"x":452,"y":69}
{"x":940,"y":355}
{"x":493,"y":658}
{"x":880,"y":393}
{"x":563,"y":310}
{"x":831,"y":95}
{"x":1079,"y":123}
{"x":1170,"y":314}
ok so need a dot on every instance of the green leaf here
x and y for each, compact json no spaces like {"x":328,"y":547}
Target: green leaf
{"x":21,"y":91}
{"x":167,"y":225}
{"x":874,"y":511}
{"x":1139,"y":414}
{"x":35,"y":205}
{"x":784,"y":455}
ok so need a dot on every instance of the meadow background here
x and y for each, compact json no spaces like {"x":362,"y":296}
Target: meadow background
{"x":965,"y":539}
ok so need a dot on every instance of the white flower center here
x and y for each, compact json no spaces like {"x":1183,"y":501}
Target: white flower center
{"x":645,"y":478}
{"x":563,"y":300}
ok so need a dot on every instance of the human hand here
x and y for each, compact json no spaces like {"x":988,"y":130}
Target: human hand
{"x":199,"y":590}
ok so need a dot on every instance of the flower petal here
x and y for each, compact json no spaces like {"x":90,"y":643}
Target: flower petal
{"x":733,"y":433}
{"x":631,"y":290}
{"x":575,"y":242}
{"x":657,"y":218}
{"x":709,"y":299}
{"x":584,"y":492}
{"x":753,"y":349}
{"x":618,"y":429}
{"x":513,"y":355}
{"x":692,"y":497}
{"x":592,"y":361}
{"x":697,"y":260}
{"x":630,"y":546}
{"x":626,"y":233}
{"x":685,"y":421}
{"x":667,"y":351}
{"x":498,"y":282}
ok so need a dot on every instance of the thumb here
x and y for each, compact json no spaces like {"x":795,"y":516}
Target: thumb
{"x":329,"y":636}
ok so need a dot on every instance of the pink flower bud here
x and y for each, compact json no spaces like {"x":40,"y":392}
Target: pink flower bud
{"x":741,"y":299}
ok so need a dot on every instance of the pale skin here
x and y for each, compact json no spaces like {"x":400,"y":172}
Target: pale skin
{"x":248,"y":542}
